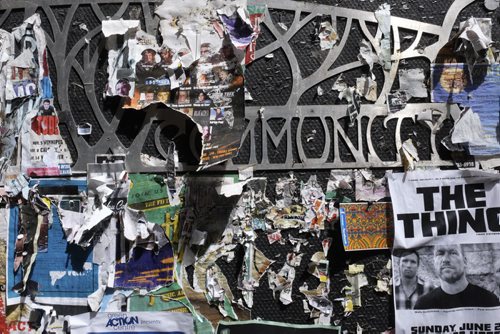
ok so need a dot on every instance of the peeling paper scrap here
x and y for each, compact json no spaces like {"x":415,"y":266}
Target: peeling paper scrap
{"x":283,"y":280}
{"x":368,"y":188}
{"x":396,"y":101}
{"x":412,"y":81}
{"x":256,"y":12}
{"x":338,"y":180}
{"x":489,"y":162}
{"x":366,"y":55}
{"x":230,"y":188}
{"x":355,"y":269}
{"x":383,"y":16}
{"x":245,"y":173}
{"x":468,"y":129}
{"x":24,"y":73}
{"x":327,"y":35}
{"x":367,"y":87}
{"x":118,"y":27}
{"x":409,"y":154}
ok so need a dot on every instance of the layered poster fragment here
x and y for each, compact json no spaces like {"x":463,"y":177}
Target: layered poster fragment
{"x":196,"y":70}
{"x":27,"y":105}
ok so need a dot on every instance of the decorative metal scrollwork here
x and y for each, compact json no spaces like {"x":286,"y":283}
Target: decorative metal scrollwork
{"x":85,"y":57}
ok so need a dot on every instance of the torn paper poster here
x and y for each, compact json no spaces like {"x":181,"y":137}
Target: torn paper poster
{"x":397,"y":100}
{"x":319,"y":266}
{"x":445,"y":219}
{"x":167,"y":299}
{"x":285,"y":192}
{"x":291,"y":217}
{"x":236,"y":23}
{"x":218,"y":291}
{"x":230,"y":187}
{"x":63,"y":274}
{"x":322,"y":307}
{"x":30,"y":317}
{"x":338,"y":181}
{"x":148,"y":193}
{"x":132,"y":322}
{"x":196,"y":71}
{"x":367,"y":88}
{"x":384,"y":279}
{"x":209,"y":279}
{"x":475,"y":35}
{"x":369,"y":188}
{"x":352,"y":97}
{"x":366,"y":225}
{"x":256,"y":13}
{"x":282,"y":281}
{"x":108,"y":184}
{"x":146,"y":269}
{"x":412,"y":81}
{"x":409,"y":155}
{"x":468,"y":129}
{"x":255,"y":265}
{"x":357,"y":278}
{"x":262,"y":326}
{"x":23,"y":245}
{"x":383,"y":16}
{"x":366,"y":55}
{"x":119,"y":27}
{"x":44,"y":152}
{"x":273,"y":237}
{"x":28,"y":71}
{"x":105,"y":255}
{"x":327,"y":35}
{"x":313,"y":200}
{"x":451,"y":84}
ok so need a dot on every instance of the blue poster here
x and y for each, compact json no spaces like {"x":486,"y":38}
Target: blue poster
{"x":63,"y":274}
{"x":452,"y":83}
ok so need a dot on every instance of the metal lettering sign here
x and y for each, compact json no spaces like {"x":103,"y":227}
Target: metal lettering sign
{"x":85,"y":58}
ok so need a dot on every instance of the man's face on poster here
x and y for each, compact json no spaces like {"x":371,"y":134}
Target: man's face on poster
{"x":183,"y":97}
{"x":408,"y":265}
{"x":122,"y":88}
{"x":46,"y":105}
{"x":166,"y":56}
{"x":163,"y":96}
{"x":453,"y":80}
{"x":148,"y":57}
{"x":150,"y":97}
{"x":205,"y":51}
{"x":449,"y":262}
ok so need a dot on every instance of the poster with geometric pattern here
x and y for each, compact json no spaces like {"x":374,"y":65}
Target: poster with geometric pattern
{"x":366,"y":225}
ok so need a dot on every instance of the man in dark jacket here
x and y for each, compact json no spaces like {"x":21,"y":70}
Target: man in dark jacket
{"x":455,"y":290}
